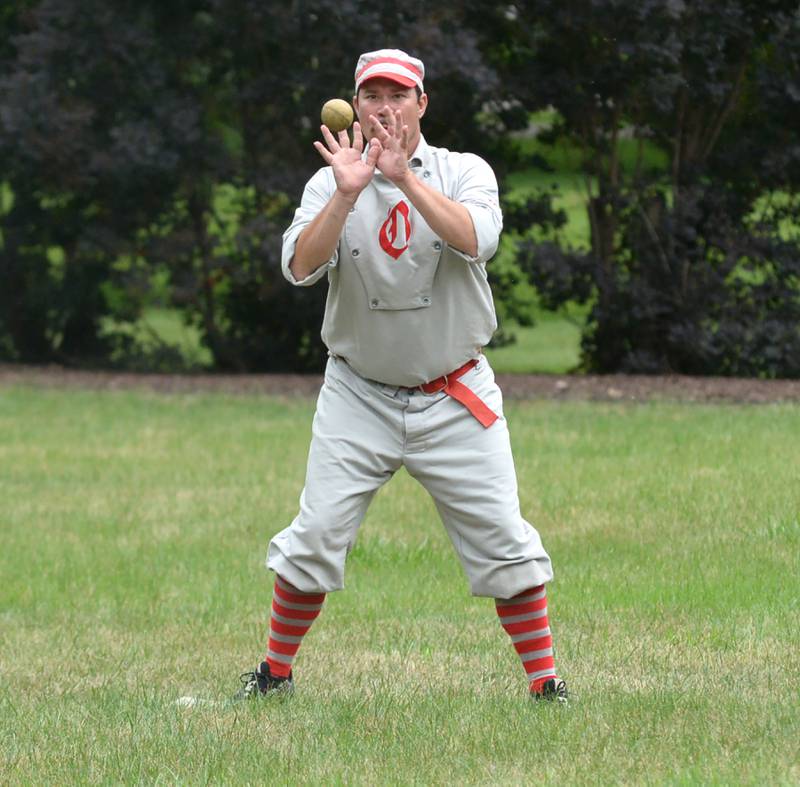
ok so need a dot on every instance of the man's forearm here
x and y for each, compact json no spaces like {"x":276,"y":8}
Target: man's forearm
{"x":450,"y":220}
{"x":318,"y":240}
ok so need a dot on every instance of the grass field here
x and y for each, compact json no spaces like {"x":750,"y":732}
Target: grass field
{"x":134,"y":529}
{"x":550,"y":346}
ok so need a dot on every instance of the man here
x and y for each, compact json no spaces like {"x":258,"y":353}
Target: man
{"x":403,"y":231}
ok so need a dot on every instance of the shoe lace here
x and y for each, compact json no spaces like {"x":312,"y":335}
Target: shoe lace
{"x":247,"y":678}
{"x":553,"y":689}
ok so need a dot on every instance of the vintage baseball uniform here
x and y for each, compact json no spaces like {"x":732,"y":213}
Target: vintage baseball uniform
{"x":404,"y":308}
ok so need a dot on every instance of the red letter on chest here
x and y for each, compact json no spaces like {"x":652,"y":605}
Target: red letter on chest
{"x":388,"y":235}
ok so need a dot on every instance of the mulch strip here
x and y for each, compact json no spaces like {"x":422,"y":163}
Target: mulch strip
{"x":615,"y":387}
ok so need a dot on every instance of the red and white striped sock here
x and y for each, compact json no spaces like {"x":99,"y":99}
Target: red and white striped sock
{"x":524,"y":617}
{"x":293,"y":612}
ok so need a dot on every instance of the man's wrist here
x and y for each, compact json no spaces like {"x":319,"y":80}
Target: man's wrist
{"x":346,"y":198}
{"x":405,"y":181}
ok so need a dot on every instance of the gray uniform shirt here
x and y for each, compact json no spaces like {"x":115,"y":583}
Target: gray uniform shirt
{"x":403,"y":307}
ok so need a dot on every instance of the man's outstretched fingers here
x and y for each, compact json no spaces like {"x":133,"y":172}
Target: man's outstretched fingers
{"x":384,"y":134}
{"x":323,"y":151}
{"x":404,"y":138}
{"x":358,"y":137}
{"x":375,"y":150}
{"x":333,"y":145}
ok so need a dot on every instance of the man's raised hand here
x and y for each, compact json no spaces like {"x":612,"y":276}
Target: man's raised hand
{"x":393,"y":158}
{"x":351,"y":172}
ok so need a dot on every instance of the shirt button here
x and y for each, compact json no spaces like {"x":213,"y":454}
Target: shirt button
{"x":426,"y":300}
{"x":356,"y":252}
{"x":374,"y":303}
{"x":437,"y":245}
{"x":352,"y":210}
{"x":426,"y":174}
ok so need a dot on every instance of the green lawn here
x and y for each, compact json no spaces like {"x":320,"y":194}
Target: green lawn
{"x":160,"y":328}
{"x":134,"y":529}
{"x":551,"y":346}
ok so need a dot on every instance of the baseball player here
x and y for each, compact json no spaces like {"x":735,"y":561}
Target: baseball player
{"x":403,"y":231}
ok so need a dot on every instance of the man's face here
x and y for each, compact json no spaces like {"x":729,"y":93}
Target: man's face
{"x":382,"y":97}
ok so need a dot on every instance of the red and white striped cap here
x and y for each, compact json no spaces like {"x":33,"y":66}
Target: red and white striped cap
{"x":391,"y":64}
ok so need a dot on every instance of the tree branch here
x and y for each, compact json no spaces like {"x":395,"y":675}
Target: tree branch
{"x":727,"y":108}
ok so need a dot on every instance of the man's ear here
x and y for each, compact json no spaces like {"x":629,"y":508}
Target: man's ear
{"x":422,"y":104}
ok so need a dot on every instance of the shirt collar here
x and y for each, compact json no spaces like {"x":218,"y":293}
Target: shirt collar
{"x":421,"y":155}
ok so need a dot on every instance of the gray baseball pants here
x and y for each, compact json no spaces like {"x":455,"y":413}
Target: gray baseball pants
{"x":363,"y":431}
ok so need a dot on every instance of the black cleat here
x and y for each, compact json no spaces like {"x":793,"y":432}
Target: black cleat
{"x":552,"y":690}
{"x":260,"y":683}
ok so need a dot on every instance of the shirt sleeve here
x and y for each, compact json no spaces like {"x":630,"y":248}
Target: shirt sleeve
{"x":316,"y":196}
{"x":477,"y":191}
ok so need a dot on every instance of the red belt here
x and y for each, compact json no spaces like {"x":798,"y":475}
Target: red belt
{"x":458,"y":391}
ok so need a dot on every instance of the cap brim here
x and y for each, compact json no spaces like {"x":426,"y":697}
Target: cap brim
{"x":401,"y":80}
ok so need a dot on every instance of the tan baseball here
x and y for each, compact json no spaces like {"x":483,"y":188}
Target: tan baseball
{"x":337,"y":114}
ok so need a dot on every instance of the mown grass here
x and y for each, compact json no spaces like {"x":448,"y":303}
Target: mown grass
{"x":157,"y":331}
{"x":550,"y":346}
{"x":134,"y":529}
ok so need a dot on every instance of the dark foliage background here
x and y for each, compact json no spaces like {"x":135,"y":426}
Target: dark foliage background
{"x":153,"y":153}
{"x":693,"y":268}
